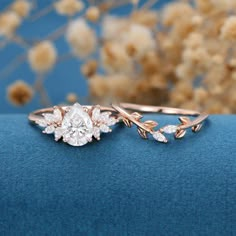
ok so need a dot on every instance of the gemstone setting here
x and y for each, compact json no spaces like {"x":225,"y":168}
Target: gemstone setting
{"x":170,"y":129}
{"x":77,"y":125}
{"x":158,"y":136}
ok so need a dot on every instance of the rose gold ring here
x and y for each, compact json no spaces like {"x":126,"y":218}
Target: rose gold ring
{"x":75,"y":125}
{"x":149,"y":126}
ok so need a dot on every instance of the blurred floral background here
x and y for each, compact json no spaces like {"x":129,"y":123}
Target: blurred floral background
{"x":175,"y":53}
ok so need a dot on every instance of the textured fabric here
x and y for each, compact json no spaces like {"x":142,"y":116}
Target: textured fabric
{"x":122,"y":185}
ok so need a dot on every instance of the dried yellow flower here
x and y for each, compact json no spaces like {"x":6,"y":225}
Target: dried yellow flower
{"x":68,"y":7}
{"x":194,"y":40}
{"x":197,"y":20}
{"x":19,"y":93}
{"x":98,"y":87}
{"x":110,"y":88}
{"x":71,"y":98}
{"x":115,"y":58}
{"x":200,"y":95}
{"x":138,"y":38}
{"x":89,"y":68}
{"x":81,"y":38}
{"x":9,"y":22}
{"x":42,"y":56}
{"x":176,"y":11}
{"x":204,"y":6}
{"x":21,"y":7}
{"x":93,"y":14}
{"x":113,"y":27}
{"x":228,"y":31}
{"x":145,"y":17}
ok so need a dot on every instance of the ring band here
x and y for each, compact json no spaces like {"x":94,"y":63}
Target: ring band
{"x":146,"y":127}
{"x":77,"y":125}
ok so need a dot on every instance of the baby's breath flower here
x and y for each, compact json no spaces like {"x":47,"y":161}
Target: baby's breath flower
{"x":19,"y":93}
{"x":228,"y":31}
{"x":42,"y":56}
{"x":145,"y":17}
{"x":175,"y":11}
{"x":198,"y":57}
{"x":71,"y":98}
{"x":81,"y":38}
{"x":68,"y":7}
{"x":138,"y":40}
{"x":200,"y":95}
{"x":204,"y":6}
{"x":21,"y":7}
{"x":93,"y":14}
{"x":112,"y":87}
{"x":115,"y":58}
{"x":197,"y":20}
{"x":194,"y":40}
{"x":184,"y":71}
{"x":113,"y":26}
{"x":89,"y":68}
{"x":98,"y":87}
{"x":9,"y":22}
{"x":217,"y":59}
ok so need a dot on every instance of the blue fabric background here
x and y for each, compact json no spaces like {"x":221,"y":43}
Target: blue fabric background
{"x":122,"y":185}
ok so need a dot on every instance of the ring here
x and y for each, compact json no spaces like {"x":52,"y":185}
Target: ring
{"x":75,"y":125}
{"x":148,"y":127}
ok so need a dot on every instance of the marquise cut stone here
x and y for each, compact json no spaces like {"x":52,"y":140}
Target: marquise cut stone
{"x":159,"y":137}
{"x":170,"y":129}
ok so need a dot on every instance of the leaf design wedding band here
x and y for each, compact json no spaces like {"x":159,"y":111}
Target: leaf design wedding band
{"x":78,"y":125}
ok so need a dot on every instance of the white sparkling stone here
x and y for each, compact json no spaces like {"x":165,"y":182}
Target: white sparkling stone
{"x":96,"y":132}
{"x":96,"y":113}
{"x":77,"y":126}
{"x":49,"y":129}
{"x":170,"y":129}
{"x":57,"y":115}
{"x":104,"y":128}
{"x":42,"y":123}
{"x":111,"y":121}
{"x":58,"y":133}
{"x":159,"y":137}
{"x":49,"y":117}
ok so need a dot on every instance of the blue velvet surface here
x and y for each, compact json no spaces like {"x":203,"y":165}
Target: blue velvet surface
{"x":122,"y":185}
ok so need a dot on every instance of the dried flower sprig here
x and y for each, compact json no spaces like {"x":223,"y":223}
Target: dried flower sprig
{"x":170,"y":56}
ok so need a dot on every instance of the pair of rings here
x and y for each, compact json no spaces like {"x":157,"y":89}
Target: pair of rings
{"x":78,"y":125}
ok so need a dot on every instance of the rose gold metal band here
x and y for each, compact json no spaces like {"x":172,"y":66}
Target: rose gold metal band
{"x":78,"y":125}
{"x":169,"y":111}
{"x":36,"y":115}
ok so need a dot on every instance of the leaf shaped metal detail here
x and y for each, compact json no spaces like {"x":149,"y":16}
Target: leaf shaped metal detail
{"x":127,"y":122}
{"x":196,"y":128}
{"x":184,"y":120}
{"x":142,"y":133}
{"x":150,"y":124}
{"x":137,"y":115}
{"x":180,"y":133}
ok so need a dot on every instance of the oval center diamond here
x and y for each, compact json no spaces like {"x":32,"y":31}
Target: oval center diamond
{"x":77,"y":126}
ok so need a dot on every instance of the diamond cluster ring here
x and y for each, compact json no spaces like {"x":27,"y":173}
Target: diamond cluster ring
{"x":78,"y":125}
{"x":75,"y":125}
